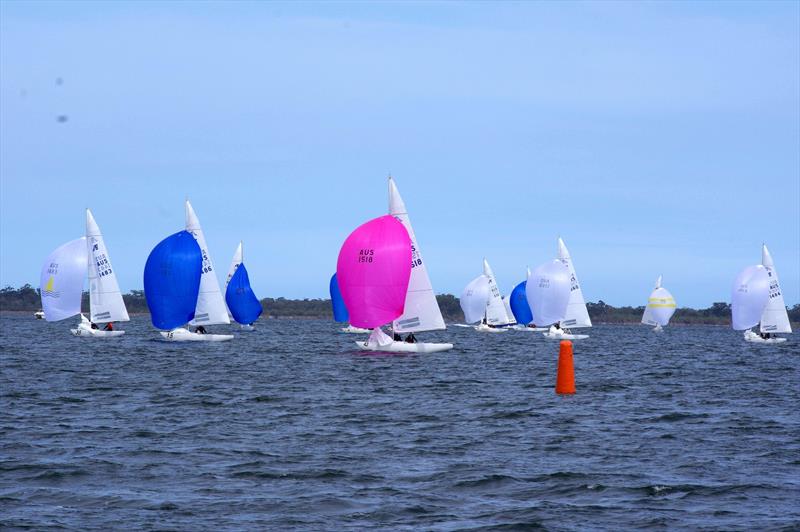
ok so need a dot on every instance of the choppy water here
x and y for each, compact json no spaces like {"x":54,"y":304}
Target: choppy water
{"x":290,"y":427}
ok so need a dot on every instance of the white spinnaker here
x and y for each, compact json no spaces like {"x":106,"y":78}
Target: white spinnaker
{"x":774,"y":319}
{"x":421,"y":309}
{"x":660,"y":306}
{"x":237,"y":260}
{"x":576,"y":315}
{"x":547,"y":291}
{"x":749,"y":297}
{"x":474,"y":298}
{"x":495,"y":309}
{"x":210,"y":308}
{"x":507,"y":303}
{"x":105,"y":300}
{"x":61,"y":280}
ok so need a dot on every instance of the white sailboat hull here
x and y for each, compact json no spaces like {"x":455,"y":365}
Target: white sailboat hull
{"x":564,"y":336}
{"x":354,"y":330}
{"x":487,"y":329}
{"x":246,"y":327}
{"x":404,"y":347}
{"x":530,"y":329}
{"x":752,"y":337}
{"x":95,"y":333}
{"x":184,"y":335}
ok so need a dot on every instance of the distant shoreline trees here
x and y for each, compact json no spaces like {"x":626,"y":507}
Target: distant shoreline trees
{"x":27,"y":299}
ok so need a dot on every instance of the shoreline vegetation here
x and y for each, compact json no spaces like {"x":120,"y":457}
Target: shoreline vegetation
{"x":27,"y":299}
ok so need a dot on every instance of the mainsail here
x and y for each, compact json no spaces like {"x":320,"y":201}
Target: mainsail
{"x":105,"y":300}
{"x":210,"y":308}
{"x":774,"y":319}
{"x":576,"y":315}
{"x":421,"y":309}
{"x":495,"y":309}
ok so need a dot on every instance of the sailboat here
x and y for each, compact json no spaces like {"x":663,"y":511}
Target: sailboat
{"x":481,"y":302}
{"x":340,"y":313}
{"x":518,"y":301}
{"x":576,"y":315}
{"x":421,"y":311}
{"x":242,"y":303}
{"x":510,"y":313}
{"x":62,"y":279}
{"x":757,"y":300}
{"x":548,"y":291}
{"x":181,"y":287}
{"x":660,"y":307}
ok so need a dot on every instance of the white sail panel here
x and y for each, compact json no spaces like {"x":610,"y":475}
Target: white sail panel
{"x":576,"y":315}
{"x":235,"y":262}
{"x":61,"y":280}
{"x":749,"y":297}
{"x":774,"y":319}
{"x":547,"y":291}
{"x":421,"y":309}
{"x":507,"y":303}
{"x":105,"y":299}
{"x":495,"y":309}
{"x":211,"y":308}
{"x":474,"y":298}
{"x":660,"y":306}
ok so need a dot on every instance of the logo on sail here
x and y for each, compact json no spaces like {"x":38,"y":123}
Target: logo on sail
{"x":48,"y":290}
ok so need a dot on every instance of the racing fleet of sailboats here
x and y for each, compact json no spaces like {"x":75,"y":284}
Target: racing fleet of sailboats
{"x":381,"y":281}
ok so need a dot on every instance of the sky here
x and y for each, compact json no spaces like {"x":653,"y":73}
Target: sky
{"x":655,"y":138}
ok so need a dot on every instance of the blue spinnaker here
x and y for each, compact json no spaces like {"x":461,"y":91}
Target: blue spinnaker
{"x":172,"y":280}
{"x":340,"y":313}
{"x":519,"y":304}
{"x":242,"y":302}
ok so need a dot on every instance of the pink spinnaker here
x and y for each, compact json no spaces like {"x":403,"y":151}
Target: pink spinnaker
{"x":373,"y":271}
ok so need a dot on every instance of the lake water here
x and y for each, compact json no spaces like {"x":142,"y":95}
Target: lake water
{"x":290,"y":427}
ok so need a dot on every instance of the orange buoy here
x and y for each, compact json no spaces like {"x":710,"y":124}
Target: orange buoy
{"x":565,"y":379}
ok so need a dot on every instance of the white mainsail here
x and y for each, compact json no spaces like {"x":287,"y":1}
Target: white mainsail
{"x":576,"y":315}
{"x":660,"y":306}
{"x":495,"y":309}
{"x":421,"y":309}
{"x":105,"y":299}
{"x":61,"y":280}
{"x":507,"y":303}
{"x":473,"y":299}
{"x":237,"y":260}
{"x":210,"y":308}
{"x":774,"y":319}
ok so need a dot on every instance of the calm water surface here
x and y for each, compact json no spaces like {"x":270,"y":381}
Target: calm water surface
{"x":290,"y":427}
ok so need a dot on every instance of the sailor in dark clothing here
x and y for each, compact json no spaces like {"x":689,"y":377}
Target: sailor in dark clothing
{"x":411,"y":339}
{"x":200,"y":330}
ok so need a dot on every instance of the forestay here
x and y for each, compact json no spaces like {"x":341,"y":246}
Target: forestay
{"x":210,"y":309}
{"x":105,"y":300}
{"x":61,"y":280}
{"x":422,"y":311}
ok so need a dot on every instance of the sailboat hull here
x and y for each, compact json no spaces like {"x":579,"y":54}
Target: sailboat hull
{"x":184,"y":335}
{"x":95,"y":333}
{"x":487,"y":329}
{"x":404,"y":347}
{"x":752,"y":337}
{"x":354,"y":330}
{"x":551,"y":336}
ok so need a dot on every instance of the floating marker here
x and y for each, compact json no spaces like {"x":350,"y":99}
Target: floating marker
{"x":565,"y":379}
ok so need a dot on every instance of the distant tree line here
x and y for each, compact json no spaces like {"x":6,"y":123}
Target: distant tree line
{"x":27,"y":298}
